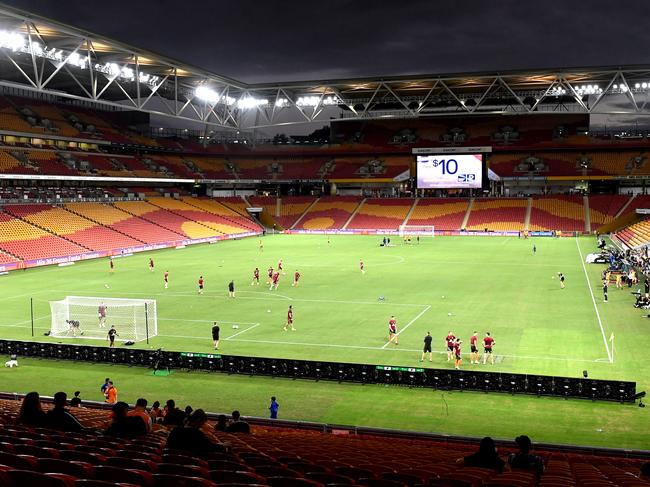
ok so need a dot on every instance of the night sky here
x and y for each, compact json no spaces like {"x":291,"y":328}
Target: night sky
{"x":261,"y":41}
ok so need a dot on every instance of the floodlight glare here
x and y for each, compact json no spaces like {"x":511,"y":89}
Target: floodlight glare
{"x":206,"y":94}
{"x":12,"y":40}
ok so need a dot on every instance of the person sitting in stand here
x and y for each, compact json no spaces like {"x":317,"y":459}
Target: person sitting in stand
{"x":125,"y":426}
{"x":31,"y":411}
{"x":59,"y":418}
{"x":485,"y":457}
{"x":525,"y":460}
{"x":237,"y":425}
{"x":172,"y":415}
{"x":190,"y":438}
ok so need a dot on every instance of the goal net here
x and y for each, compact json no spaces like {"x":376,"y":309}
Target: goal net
{"x":90,"y":317}
{"x":416,"y":230}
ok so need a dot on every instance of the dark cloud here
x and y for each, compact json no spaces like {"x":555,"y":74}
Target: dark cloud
{"x":261,"y":41}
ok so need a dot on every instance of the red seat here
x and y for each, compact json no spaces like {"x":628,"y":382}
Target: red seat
{"x":137,"y":455}
{"x":132,"y":463}
{"x":81,"y":470}
{"x":221,"y":477}
{"x":37,"y":451}
{"x":22,"y":462}
{"x":185,"y":460}
{"x":184,"y":470}
{"x":225,"y":465}
{"x":267,"y":471}
{"x":405,"y":478}
{"x":100,"y":483}
{"x":82,"y":456}
{"x":107,"y":452}
{"x":169,"y":480}
{"x":130,"y":476}
{"x":291,"y":482}
{"x":354,"y":472}
{"x":372,"y":482}
{"x":26,"y":477}
{"x":328,"y":478}
{"x":306,"y":467}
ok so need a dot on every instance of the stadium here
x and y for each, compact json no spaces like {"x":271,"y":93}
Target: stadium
{"x":435,"y":259}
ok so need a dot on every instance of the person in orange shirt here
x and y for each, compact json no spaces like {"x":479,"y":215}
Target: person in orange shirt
{"x":111,"y":393}
{"x":140,"y":411}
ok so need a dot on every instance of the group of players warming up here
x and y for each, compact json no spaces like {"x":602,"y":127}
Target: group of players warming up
{"x":453,"y":344}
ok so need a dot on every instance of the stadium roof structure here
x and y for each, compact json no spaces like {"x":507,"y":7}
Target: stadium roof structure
{"x":44,"y":56}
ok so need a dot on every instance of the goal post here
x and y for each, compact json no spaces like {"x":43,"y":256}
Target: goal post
{"x":416,"y":230}
{"x":91,"y":317}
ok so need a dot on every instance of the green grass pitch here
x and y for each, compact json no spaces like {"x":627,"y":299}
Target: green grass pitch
{"x":488,"y":284}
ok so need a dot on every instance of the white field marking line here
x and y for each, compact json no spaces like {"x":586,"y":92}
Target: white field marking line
{"x":409,"y":350}
{"x":20,"y":323}
{"x":270,"y":298}
{"x":593,"y":300}
{"x":267,"y":293}
{"x":16,"y":296}
{"x":243,"y":331}
{"x":409,"y":323}
{"x":209,"y":321}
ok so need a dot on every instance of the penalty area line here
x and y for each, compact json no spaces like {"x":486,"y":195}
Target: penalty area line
{"x":243,"y":331}
{"x":593,"y":300}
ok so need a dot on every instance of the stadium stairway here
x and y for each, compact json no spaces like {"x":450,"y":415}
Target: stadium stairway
{"x":145,"y":210}
{"x":297,"y":222}
{"x":221,"y":209}
{"x":71,"y":208}
{"x":467,"y":213}
{"x":183,"y":210}
{"x":354,"y":213}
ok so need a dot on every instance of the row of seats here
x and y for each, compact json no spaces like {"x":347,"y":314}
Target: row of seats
{"x":636,"y":234}
{"x":377,"y":213}
{"x":275,"y":456}
{"x":329,"y":213}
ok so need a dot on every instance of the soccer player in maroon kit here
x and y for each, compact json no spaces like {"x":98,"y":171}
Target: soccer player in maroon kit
{"x":473,"y":342}
{"x":151,"y":266}
{"x":280,"y":267}
{"x":101,"y":312}
{"x":459,"y":357}
{"x":488,"y":343}
{"x":361,"y":266}
{"x":392,"y":331}
{"x":166,"y":279}
{"x":296,"y":278}
{"x":275,"y":281}
{"x":200,"y":284}
{"x":270,"y":273}
{"x":256,"y":277}
{"x":111,"y":265}
{"x":449,"y":340}
{"x":289,"y":319}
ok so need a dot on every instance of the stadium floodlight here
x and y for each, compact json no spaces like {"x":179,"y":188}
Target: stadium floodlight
{"x":281,"y":102}
{"x":637,"y":85}
{"x":250,"y":102}
{"x":206,"y":94}
{"x":12,"y":40}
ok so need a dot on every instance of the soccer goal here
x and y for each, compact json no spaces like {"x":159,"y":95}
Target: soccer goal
{"x":91,"y":317}
{"x":416,"y":230}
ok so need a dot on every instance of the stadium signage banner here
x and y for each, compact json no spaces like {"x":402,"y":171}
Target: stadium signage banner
{"x":11,"y":266}
{"x":451,"y":150}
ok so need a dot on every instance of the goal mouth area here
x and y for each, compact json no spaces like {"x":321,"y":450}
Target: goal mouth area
{"x":90,"y":317}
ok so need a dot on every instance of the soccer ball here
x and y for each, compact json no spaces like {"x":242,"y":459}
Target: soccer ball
{"x":443,"y":297}
{"x":235,"y":327}
{"x":552,"y":277}
{"x":448,"y":314}
{"x":106,"y":286}
{"x":268,"y":310}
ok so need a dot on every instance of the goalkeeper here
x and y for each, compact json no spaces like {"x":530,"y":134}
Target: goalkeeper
{"x":75,"y":327}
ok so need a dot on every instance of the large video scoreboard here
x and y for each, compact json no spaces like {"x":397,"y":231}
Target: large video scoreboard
{"x":450,"y":170}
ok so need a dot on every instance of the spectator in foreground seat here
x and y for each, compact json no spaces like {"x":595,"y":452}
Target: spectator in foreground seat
{"x":140,"y":411}
{"x":59,"y":418}
{"x":125,"y":426}
{"x":523,"y":459}
{"x":155,"y":412}
{"x":75,"y":402}
{"x":485,"y":457}
{"x":190,"y":438}
{"x":238,"y":425}
{"x":31,"y":411}
{"x":222,"y":423}
{"x":172,"y":415}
